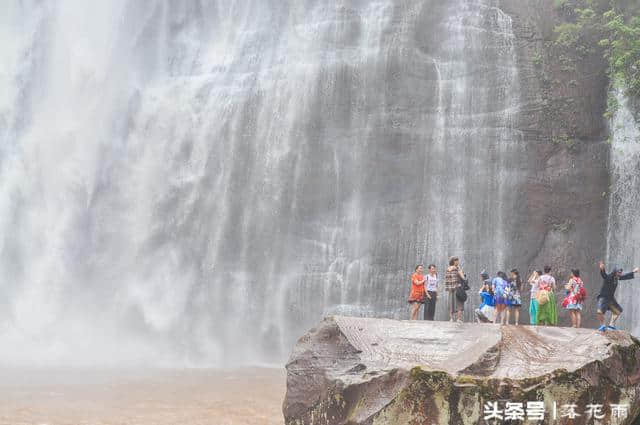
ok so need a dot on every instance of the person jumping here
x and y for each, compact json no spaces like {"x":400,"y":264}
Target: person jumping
{"x":606,"y":297}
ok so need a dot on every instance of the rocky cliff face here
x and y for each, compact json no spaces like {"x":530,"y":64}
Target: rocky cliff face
{"x":566,"y":194}
{"x":378,"y":371}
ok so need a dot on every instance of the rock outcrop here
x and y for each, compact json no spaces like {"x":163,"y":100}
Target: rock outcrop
{"x":380,"y":371}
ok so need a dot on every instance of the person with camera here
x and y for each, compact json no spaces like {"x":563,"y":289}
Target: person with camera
{"x":486,"y":312}
{"x":533,"y":280}
{"x":455,"y":283}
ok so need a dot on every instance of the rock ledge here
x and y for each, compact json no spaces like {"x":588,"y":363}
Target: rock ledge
{"x":378,"y":371}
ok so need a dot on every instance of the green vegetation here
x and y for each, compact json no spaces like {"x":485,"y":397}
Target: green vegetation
{"x":563,"y":226}
{"x":622,"y":49}
{"x":565,"y":141}
{"x":537,"y":58}
{"x":577,"y":35}
{"x":611,"y":27}
{"x":612,"y":105}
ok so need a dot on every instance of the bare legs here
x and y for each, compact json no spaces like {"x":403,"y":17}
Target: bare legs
{"x":516,"y":313}
{"x":576,"y":318}
{"x":508,"y":311}
{"x":452,"y":304}
{"x":614,"y":318}
{"x":415,"y":309}
{"x":500,"y":313}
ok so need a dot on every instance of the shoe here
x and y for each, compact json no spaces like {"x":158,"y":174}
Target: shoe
{"x":613,"y":328}
{"x":602,"y":328}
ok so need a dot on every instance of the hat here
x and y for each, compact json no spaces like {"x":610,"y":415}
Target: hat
{"x":484,"y":274}
{"x":616,"y":268}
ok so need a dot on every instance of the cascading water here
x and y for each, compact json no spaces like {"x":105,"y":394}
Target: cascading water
{"x":199,"y":182}
{"x":624,"y":204}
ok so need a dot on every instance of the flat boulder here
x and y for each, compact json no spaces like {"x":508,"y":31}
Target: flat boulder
{"x":351,"y":370}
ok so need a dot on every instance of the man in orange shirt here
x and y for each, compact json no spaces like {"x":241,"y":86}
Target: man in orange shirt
{"x":416,"y":298}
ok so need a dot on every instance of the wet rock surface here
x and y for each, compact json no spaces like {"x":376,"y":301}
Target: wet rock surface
{"x":379,"y":371}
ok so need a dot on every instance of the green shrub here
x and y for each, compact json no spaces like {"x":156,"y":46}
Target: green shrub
{"x":611,"y":27}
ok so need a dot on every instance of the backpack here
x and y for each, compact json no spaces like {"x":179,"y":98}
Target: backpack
{"x":582,"y":294}
{"x":543,"y":297}
{"x":465,"y":284}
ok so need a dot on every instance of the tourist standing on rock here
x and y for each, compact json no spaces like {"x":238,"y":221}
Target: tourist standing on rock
{"x":606,"y":297}
{"x":432,"y":293}
{"x":416,"y":298}
{"x":533,"y":280}
{"x":515,"y":299}
{"x":547,"y":309}
{"x":576,"y":294}
{"x":486,"y":312}
{"x":501,"y":289}
{"x":453,"y":279}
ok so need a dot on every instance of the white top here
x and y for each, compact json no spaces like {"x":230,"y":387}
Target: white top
{"x":534,"y":287}
{"x":547,"y":279}
{"x":431,"y":282}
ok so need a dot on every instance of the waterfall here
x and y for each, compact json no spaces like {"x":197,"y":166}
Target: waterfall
{"x":199,"y":182}
{"x":624,"y":204}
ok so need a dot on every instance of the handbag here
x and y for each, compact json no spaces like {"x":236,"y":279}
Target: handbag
{"x":543,"y":297}
{"x":461,"y":294}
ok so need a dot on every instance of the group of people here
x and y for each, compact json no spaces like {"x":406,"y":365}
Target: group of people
{"x":501,"y":295}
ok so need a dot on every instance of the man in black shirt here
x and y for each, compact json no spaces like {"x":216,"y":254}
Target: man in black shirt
{"x":606,"y":297}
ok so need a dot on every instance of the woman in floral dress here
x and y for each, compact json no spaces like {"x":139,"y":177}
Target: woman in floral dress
{"x":575,"y":297}
{"x":515,"y":300}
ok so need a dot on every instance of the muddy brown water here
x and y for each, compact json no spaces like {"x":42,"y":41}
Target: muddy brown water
{"x":142,"y":397}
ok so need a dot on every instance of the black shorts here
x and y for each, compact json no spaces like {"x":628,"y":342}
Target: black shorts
{"x":605,"y":304}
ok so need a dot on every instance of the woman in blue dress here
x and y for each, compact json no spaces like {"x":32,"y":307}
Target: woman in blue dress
{"x":501,"y":289}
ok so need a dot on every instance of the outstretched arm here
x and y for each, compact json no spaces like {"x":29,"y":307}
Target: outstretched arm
{"x":629,"y":275}
{"x":603,"y":273}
